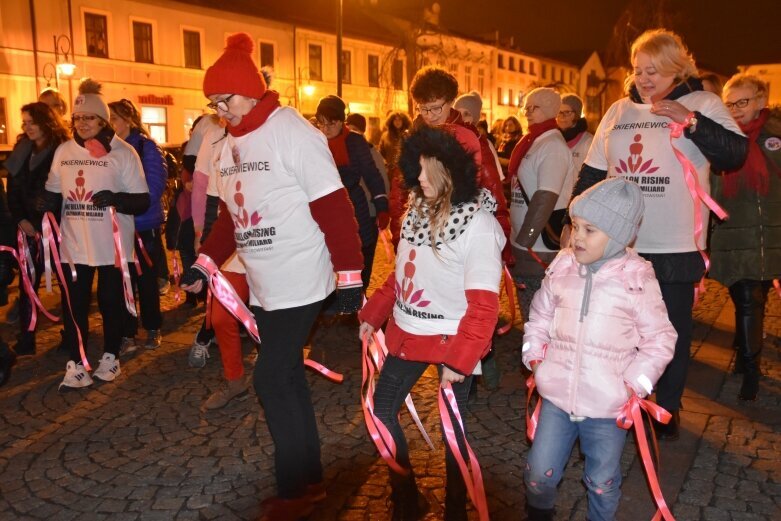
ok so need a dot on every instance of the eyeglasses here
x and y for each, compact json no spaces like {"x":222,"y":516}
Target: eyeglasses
{"x":741,"y":103}
{"x":77,"y":119}
{"x":327,"y":124}
{"x":566,"y":113}
{"x":221,"y":104}
{"x":434,"y":111}
{"x":529,"y":110}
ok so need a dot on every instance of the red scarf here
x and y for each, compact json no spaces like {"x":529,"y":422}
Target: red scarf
{"x":338,"y":147}
{"x":523,"y":146}
{"x":257,"y":116}
{"x":754,"y":172}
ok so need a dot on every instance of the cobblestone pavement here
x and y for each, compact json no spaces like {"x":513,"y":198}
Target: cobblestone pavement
{"x":141,"y":448}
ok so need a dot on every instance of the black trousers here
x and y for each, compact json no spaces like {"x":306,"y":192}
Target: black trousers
{"x":145,"y":285}
{"x":281,"y":385}
{"x":111,"y":303}
{"x":679,"y":300}
{"x":397,"y":379}
{"x":749,"y":297}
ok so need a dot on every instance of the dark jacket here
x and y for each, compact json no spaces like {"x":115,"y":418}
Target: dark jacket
{"x":362,"y":167}
{"x":156,"y":173}
{"x":748,"y":244}
{"x":26,"y":181}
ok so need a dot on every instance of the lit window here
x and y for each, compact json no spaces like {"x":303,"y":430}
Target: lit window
{"x":96,"y":32}
{"x":142,"y":42}
{"x":155,"y":121}
{"x":192,"y":49}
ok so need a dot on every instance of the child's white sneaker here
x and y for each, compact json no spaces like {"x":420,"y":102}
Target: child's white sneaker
{"x":75,"y":376}
{"x":108,"y":369}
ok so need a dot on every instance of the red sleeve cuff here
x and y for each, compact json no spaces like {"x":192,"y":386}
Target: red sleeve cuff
{"x":335,"y":216}
{"x":475,"y":331}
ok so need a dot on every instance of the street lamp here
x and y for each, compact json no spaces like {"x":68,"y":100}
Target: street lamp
{"x":63,"y":66}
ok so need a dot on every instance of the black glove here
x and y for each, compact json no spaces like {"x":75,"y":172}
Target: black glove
{"x":104,"y":198}
{"x":348,"y":300}
{"x":7,"y":264}
{"x":192,"y":275}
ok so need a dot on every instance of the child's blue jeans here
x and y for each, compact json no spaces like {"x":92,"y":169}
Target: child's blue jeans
{"x":601,"y":442}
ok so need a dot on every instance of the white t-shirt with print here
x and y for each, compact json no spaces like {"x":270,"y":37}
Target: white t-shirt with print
{"x":580,"y":150}
{"x":267,"y":179}
{"x":547,"y":166}
{"x":634,"y":143}
{"x":430,"y":287}
{"x":87,"y":232}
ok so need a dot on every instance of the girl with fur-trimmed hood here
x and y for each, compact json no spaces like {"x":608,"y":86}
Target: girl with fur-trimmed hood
{"x":442,"y":299}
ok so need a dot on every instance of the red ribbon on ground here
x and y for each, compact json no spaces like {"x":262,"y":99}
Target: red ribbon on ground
{"x":120,"y":261}
{"x":631,"y":416}
{"x":473,"y":476}
{"x":50,"y":228}
{"x":697,"y":193}
{"x":509,"y":288}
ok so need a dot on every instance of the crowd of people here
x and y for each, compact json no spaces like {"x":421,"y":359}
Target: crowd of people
{"x":606,"y":234}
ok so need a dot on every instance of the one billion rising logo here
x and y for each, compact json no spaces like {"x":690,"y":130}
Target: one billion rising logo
{"x":634,"y":163}
{"x":407,"y":289}
{"x":80,"y":193}
{"x":242,"y":217}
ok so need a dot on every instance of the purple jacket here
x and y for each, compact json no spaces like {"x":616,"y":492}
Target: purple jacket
{"x":626,"y":337}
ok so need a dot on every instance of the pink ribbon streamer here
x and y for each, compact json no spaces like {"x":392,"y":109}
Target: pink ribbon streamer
{"x":386,"y":245}
{"x":27,"y":275}
{"x":777,"y":286}
{"x":143,"y":251}
{"x":697,"y":193}
{"x":631,"y":416}
{"x":509,"y":288}
{"x":473,"y":476}
{"x":379,"y":434}
{"x":532,"y":417}
{"x":225,"y":293}
{"x":120,"y":261}
{"x":48,"y":224}
{"x":379,"y":358}
{"x":177,"y":276}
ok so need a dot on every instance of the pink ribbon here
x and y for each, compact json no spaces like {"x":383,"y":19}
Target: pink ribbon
{"x":27,"y":275}
{"x":532,"y":418}
{"x":48,"y":224}
{"x":379,"y":358}
{"x":473,"y":476}
{"x":120,"y":261}
{"x":177,"y":276}
{"x":697,"y":193}
{"x":386,"y":245}
{"x":379,"y":434}
{"x":225,"y":293}
{"x":777,"y":285}
{"x":144,"y":253}
{"x":631,"y":416}
{"x":509,"y":288}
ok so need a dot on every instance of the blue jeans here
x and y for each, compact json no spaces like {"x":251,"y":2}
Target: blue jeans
{"x":601,"y":442}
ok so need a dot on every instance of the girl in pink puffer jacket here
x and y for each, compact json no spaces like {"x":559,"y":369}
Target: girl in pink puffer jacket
{"x":598,"y":332}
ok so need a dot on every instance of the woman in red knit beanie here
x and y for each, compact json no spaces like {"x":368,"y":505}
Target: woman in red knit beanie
{"x":293,"y":227}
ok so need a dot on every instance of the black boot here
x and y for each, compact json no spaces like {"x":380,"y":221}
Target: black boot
{"x":407,"y":502}
{"x":669,"y":431}
{"x":455,"y":495}
{"x":749,"y":297}
{"x":539,"y":514}
{"x":7,"y":359}
{"x":25,"y":344}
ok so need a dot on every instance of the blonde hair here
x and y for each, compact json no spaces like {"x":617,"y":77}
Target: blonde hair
{"x":668,"y":54}
{"x":747,"y":80}
{"x":438,"y":209}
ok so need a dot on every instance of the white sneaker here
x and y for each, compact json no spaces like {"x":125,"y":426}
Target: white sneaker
{"x":128,"y":346}
{"x":75,"y":376}
{"x":198,"y":354}
{"x":108,"y":369}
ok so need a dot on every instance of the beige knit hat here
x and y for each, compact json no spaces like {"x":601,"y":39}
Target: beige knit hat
{"x":547,"y":99}
{"x":90,"y":100}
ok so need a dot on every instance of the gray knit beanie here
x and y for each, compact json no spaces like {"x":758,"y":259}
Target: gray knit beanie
{"x":615,"y":206}
{"x":573,"y":102}
{"x":471,"y":102}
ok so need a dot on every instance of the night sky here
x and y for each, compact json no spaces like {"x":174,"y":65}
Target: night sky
{"x":721,"y":34}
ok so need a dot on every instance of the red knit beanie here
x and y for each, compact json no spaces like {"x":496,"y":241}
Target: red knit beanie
{"x":234,"y":72}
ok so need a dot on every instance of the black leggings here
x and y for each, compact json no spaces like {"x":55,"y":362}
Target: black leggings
{"x":145,"y":285}
{"x":397,"y":378}
{"x":111,"y":302}
{"x":283,"y":391}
